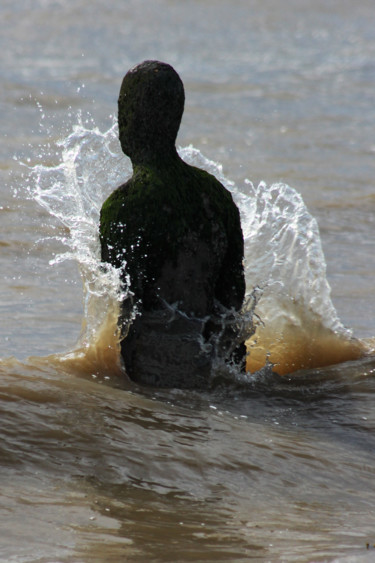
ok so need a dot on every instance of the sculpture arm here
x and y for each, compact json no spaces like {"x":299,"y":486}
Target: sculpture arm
{"x":231,"y":287}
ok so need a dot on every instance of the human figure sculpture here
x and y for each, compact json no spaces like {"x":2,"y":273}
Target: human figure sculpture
{"x":175,"y":232}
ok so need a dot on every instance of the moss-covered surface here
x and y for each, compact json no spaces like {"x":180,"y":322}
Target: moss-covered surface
{"x":167,"y":214}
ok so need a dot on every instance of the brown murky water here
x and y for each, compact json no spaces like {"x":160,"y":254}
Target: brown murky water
{"x":263,"y":468}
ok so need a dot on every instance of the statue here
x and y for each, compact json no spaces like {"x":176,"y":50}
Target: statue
{"x":175,"y":232}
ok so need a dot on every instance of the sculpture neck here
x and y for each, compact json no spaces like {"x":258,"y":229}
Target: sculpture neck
{"x":155,"y":160}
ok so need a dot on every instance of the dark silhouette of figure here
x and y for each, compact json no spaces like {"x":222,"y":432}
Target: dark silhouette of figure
{"x":175,"y":232}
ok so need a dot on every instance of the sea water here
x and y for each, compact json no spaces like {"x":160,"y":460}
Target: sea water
{"x":267,"y":468}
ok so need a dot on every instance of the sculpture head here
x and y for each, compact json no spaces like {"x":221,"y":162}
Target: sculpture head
{"x":150,"y":108}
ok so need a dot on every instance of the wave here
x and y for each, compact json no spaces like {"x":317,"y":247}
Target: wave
{"x":295,"y":323}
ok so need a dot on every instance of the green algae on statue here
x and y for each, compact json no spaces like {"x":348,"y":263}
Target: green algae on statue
{"x":175,"y":232}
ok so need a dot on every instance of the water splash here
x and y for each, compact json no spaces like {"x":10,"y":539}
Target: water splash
{"x":91,"y":167}
{"x":284,"y":262}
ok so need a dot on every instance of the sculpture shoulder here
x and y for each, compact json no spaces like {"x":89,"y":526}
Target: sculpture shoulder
{"x":212,"y":186}
{"x":115,"y":200}
{"x":127,"y":200}
{"x":216,"y":197}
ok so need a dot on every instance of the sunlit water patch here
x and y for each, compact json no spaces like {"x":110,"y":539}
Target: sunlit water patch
{"x":289,"y":304}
